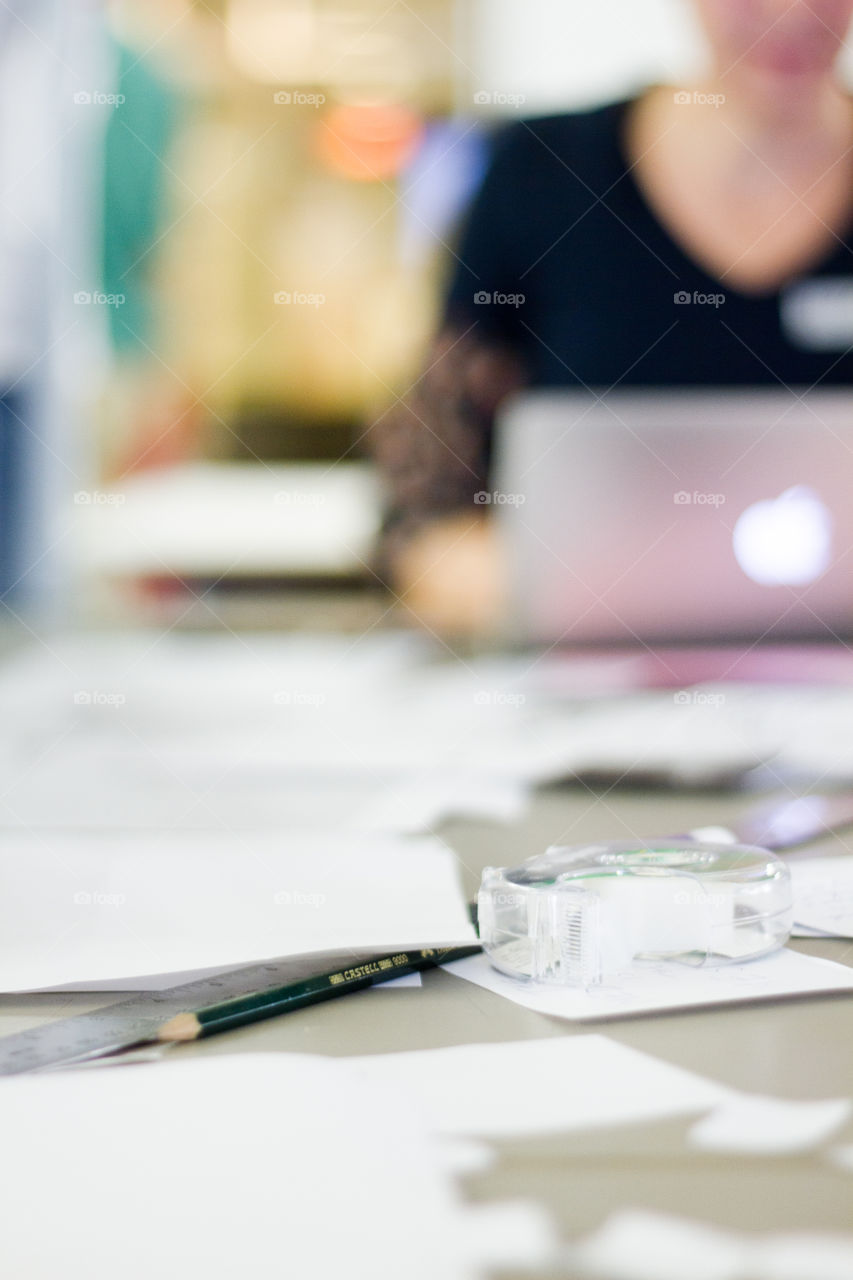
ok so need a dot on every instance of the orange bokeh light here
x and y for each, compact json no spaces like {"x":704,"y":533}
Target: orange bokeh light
{"x":368,"y":142}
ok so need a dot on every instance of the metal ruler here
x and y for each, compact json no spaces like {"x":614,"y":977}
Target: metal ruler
{"x":129,"y":1021}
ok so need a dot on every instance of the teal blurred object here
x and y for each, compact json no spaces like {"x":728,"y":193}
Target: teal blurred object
{"x":138,"y":136}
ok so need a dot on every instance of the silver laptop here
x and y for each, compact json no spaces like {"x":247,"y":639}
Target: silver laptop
{"x":677,"y":515}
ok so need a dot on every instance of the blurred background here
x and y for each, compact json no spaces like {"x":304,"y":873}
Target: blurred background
{"x":223,"y":231}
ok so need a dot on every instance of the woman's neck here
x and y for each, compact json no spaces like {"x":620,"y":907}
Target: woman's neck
{"x":754,"y":195}
{"x":809,"y":127}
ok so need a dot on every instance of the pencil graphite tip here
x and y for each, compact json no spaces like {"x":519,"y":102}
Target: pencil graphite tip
{"x":184,"y":1026}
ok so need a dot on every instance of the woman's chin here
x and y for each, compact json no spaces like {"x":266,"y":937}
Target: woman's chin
{"x":784,"y":82}
{"x":791,"y":63}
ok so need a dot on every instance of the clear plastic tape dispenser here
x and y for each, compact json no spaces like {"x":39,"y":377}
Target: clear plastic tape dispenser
{"x":581,"y":916}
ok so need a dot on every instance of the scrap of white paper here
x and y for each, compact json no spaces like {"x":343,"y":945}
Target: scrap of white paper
{"x":420,"y":803}
{"x":769,"y":1126}
{"x":823,"y":895}
{"x":92,"y":909}
{"x":506,"y":1090}
{"x":200,"y":731}
{"x":103,"y":785}
{"x":539,"y":1086}
{"x":710,"y":728}
{"x":256,"y":731}
{"x":635,"y":1245}
{"x":407,"y":980}
{"x":666,"y":985}
{"x":804,"y":931}
{"x":639,"y":1245}
{"x":380,"y":704}
{"x":235,"y":1165}
{"x":801,"y":1256}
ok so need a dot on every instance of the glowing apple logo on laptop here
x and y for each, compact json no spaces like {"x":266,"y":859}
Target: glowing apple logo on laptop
{"x":785,"y":541}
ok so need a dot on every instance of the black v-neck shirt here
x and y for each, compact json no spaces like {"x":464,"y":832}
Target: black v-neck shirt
{"x":562,"y":257}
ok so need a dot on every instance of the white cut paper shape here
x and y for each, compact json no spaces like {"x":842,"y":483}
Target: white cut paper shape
{"x":666,"y":985}
{"x":92,"y":910}
{"x":244,"y":1164}
{"x":757,"y":1125}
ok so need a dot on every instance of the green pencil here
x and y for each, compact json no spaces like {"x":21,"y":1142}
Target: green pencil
{"x":269,"y":1004}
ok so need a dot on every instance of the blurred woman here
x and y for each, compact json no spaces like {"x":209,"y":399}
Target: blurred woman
{"x":695,"y":236}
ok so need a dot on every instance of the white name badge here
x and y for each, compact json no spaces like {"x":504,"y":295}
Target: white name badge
{"x":818,"y":314}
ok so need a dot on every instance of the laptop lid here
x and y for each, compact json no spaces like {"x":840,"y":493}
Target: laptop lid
{"x":656,"y":515}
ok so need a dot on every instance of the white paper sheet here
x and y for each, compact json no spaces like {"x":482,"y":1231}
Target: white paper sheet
{"x":407,"y":980}
{"x":486,"y":1091}
{"x":638,"y":1245}
{"x":243,"y":1165}
{"x":254,"y":731}
{"x":361,"y":706}
{"x":507,"y":1090}
{"x":667,"y":986}
{"x":90,"y":909}
{"x":201,"y":731}
{"x":539,"y":1086}
{"x":757,"y":1125}
{"x":823,"y":895}
{"x":697,"y":731}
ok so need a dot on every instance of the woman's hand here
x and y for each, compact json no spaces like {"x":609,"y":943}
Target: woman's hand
{"x":452,"y":577}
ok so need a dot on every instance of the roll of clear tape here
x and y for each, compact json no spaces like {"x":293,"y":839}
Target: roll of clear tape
{"x":584,"y":915}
